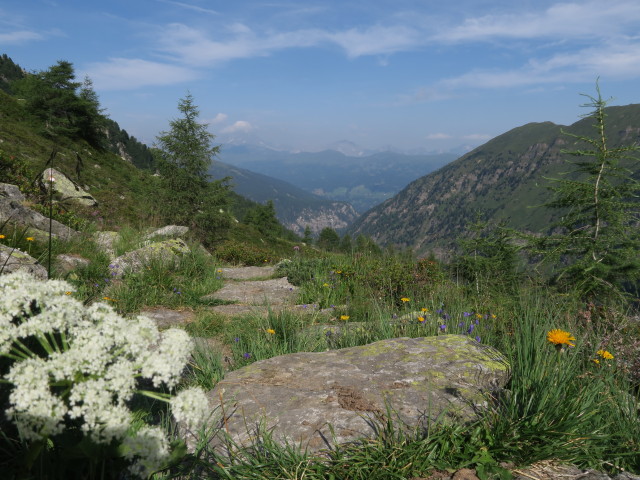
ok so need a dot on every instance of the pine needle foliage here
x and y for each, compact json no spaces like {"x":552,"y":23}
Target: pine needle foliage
{"x":594,"y":247}
{"x":184,"y":155}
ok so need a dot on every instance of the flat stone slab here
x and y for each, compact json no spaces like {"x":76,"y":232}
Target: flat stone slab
{"x":165,"y":317}
{"x":298,"y":396}
{"x":246,"y":273}
{"x":277,"y":291}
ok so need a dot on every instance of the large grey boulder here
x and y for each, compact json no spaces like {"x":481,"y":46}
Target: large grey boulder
{"x":302,"y":397}
{"x":66,"y":189}
{"x":277,"y":291}
{"x":12,"y":260}
{"x":12,"y":210}
{"x":106,"y":242}
{"x":171,"y":231}
{"x":168,"y":251}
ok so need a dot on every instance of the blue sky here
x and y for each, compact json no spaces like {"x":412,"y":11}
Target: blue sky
{"x":305,"y":74}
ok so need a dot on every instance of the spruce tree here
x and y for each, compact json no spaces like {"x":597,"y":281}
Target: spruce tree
{"x":184,"y":156}
{"x":594,"y":247}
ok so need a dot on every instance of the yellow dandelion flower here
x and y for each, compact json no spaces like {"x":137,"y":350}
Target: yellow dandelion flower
{"x":325,"y":284}
{"x":67,"y":293}
{"x":344,"y":317}
{"x":560,"y":337}
{"x":425,"y":310}
{"x":405,"y":299}
{"x":596,"y":361}
{"x":29,"y":239}
{"x":493,"y":315}
{"x":421,"y":319}
{"x":478,"y":315}
{"x":604,"y":354}
{"x":2,"y":236}
{"x":270,"y":331}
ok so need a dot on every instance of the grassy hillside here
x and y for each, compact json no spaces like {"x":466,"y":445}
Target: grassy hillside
{"x":125,"y":193}
{"x":502,"y":180}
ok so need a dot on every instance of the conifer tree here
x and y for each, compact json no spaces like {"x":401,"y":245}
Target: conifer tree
{"x":594,"y":247}
{"x":185,"y":153}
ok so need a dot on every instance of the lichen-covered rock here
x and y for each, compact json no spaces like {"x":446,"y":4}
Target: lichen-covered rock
{"x":167,"y":251}
{"x":66,"y":189}
{"x":12,"y":260}
{"x":277,"y":291}
{"x":302,"y":397}
{"x":67,"y":262}
{"x":106,"y":242}
{"x":12,"y":210}
{"x":172,"y":231}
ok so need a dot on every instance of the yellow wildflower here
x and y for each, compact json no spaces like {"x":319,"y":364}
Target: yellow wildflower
{"x":344,"y":317}
{"x":604,"y":354}
{"x":271,"y":331}
{"x":405,"y":299}
{"x":325,"y":284}
{"x":421,"y":319}
{"x":67,"y":293}
{"x":560,"y":337}
{"x":425,"y":310}
{"x":2,"y":236}
{"x":29,"y":239}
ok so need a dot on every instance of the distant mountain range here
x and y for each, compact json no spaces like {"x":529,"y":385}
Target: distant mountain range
{"x":295,"y":208}
{"x":363,"y":181}
{"x":504,"y":179}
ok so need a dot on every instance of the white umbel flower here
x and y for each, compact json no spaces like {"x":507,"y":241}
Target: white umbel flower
{"x":77,"y":365}
{"x":191,"y":407}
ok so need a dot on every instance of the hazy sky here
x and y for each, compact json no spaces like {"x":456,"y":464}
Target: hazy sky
{"x":305,"y":74}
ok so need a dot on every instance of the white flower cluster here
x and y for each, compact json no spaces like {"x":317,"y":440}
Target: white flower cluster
{"x":73,"y":362}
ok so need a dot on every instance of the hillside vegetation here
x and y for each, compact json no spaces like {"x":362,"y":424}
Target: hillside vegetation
{"x":504,"y":180}
{"x":126,"y":388}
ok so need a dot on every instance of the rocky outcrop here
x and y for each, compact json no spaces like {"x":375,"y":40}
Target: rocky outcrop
{"x":337,"y":215}
{"x":171,"y":231}
{"x":13,"y":210}
{"x":316,"y":400}
{"x":166,"y":251}
{"x":65,"y":189}
{"x":12,"y":260}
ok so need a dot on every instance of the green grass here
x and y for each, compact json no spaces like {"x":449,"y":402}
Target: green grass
{"x":560,"y":406}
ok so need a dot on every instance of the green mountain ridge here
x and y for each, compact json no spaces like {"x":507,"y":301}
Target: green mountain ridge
{"x":502,"y":180}
{"x":295,"y":208}
{"x":362,"y":181}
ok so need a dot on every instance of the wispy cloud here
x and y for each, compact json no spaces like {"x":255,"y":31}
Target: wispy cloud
{"x":19,"y":37}
{"x":188,"y":6}
{"x":219,"y":118}
{"x":377,"y":40}
{"x":438,"y":136}
{"x":132,"y":73}
{"x":563,"y":21}
{"x":619,"y":60}
{"x":239,"y":126}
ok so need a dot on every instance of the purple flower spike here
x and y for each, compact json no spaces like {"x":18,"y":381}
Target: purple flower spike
{"x":477,"y":339}
{"x":467,"y":314}
{"x":443,"y":327}
{"x":237,"y":339}
{"x":470,"y":329}
{"x":247,"y":355}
